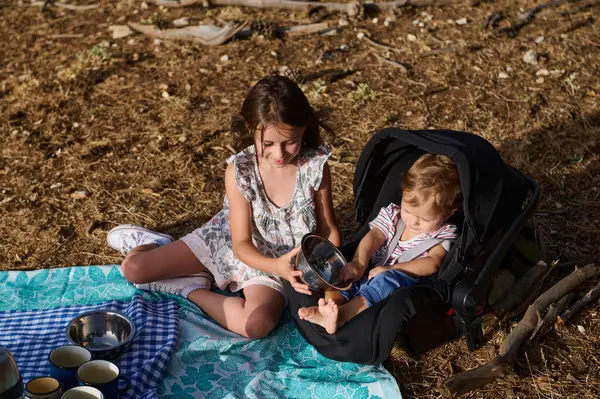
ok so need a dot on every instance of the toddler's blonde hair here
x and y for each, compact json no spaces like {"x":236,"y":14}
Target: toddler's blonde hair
{"x":433,"y":175}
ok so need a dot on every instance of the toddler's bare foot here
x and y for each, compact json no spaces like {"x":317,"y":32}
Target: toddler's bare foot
{"x":311,"y":314}
{"x":329,"y":312}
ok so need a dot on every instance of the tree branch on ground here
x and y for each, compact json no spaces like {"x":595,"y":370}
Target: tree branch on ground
{"x":502,"y":365}
{"x":353,"y":8}
{"x":587,"y":299}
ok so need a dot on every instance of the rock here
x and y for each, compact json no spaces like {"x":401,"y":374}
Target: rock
{"x":224,"y":58}
{"x":343,"y":22}
{"x":388,"y":21}
{"x":182,"y":139}
{"x":56,"y":185}
{"x":183,"y":21}
{"x":581,"y":329}
{"x":165,"y":95}
{"x":539,"y":39}
{"x":144,"y":5}
{"x":360,"y":35}
{"x":163,"y":86}
{"x":411,"y":38}
{"x":416,"y":22}
{"x":542,"y":72}
{"x":503,"y":75}
{"x":557,"y":73}
{"x":539,"y":80}
{"x":461,"y":21}
{"x":530,"y":57}
{"x":80,"y":194}
{"x":375,"y":20}
{"x":421,"y":25}
{"x":157,"y":42}
{"x":120,"y":31}
{"x":509,"y":68}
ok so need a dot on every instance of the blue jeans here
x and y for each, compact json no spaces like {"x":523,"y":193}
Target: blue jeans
{"x":379,"y":287}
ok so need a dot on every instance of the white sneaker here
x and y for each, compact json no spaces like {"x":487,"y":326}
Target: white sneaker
{"x":181,"y":286}
{"x":125,"y":237}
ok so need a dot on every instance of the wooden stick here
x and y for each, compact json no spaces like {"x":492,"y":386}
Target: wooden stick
{"x":396,"y":64}
{"x":71,"y":7}
{"x":470,"y":380}
{"x":551,"y":314}
{"x":572,"y":26}
{"x":352,"y":8}
{"x":522,"y":288}
{"x":587,"y":299}
{"x":301,"y":30}
{"x":66,"y":36}
{"x":208,"y":35}
{"x":381,"y":46}
{"x":529,"y":16}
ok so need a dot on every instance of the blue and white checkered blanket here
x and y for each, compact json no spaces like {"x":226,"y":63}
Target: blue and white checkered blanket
{"x":31,"y":334}
{"x":208,"y":361}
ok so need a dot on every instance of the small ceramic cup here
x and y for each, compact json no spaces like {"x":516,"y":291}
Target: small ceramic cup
{"x":43,"y":388}
{"x":84,"y":392}
{"x":64,"y":362}
{"x":104,"y":376}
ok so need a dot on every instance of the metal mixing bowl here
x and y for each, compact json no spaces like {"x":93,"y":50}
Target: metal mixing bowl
{"x":321,"y":262}
{"x":106,"y":334}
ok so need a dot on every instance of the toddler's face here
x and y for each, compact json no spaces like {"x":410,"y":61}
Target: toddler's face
{"x":280,"y":144}
{"x":423,"y":218}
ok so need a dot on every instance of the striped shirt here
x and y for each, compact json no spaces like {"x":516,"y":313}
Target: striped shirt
{"x":387,"y":220}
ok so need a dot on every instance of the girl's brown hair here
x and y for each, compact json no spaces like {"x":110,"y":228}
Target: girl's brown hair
{"x":276,"y":100}
{"x":433,"y":175}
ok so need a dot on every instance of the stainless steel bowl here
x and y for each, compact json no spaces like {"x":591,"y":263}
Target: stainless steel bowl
{"x":321,"y":262}
{"x":106,"y":334}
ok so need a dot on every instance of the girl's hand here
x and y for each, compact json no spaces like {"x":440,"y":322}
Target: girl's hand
{"x":378,"y":270}
{"x":351,"y":272}
{"x":287,"y":271}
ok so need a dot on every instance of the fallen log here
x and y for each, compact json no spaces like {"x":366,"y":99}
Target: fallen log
{"x":502,"y":365}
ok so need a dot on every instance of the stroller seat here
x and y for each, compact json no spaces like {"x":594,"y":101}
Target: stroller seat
{"x":497,"y":203}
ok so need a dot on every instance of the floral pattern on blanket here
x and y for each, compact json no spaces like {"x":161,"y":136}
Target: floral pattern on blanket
{"x":209,"y":361}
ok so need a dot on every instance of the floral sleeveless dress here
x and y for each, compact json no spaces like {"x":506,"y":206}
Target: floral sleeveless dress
{"x":275,"y":230}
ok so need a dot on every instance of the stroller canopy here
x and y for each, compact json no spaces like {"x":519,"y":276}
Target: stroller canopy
{"x":493,"y":192}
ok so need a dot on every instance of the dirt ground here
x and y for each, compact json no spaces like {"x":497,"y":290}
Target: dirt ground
{"x":89,"y":140}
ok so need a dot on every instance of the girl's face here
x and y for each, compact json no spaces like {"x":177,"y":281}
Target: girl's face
{"x":280,"y":144}
{"x":423,"y":218}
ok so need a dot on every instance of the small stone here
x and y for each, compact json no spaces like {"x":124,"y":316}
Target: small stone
{"x":157,"y":42}
{"x":509,"y":68}
{"x":542,"y":72}
{"x":183,"y":21}
{"x":408,"y":113}
{"x":144,"y":5}
{"x":360,"y":35}
{"x":224,"y":58}
{"x":135,"y":56}
{"x":182,"y":139}
{"x":411,"y":38}
{"x":581,"y":328}
{"x":461,"y":21}
{"x":80,"y":194}
{"x":539,"y":80}
{"x":450,"y":21}
{"x":120,"y":31}
{"x":188,"y":87}
{"x":225,"y":101}
{"x":421,"y":25}
{"x":539,"y":39}
{"x":344,"y":47}
{"x":165,"y":95}
{"x":559,"y":205}
{"x":375,"y":20}
{"x":563,"y":36}
{"x":75,"y":125}
{"x":416,"y":22}
{"x":130,"y":41}
{"x":33,"y":197}
{"x":503,"y":75}
{"x":557,"y":72}
{"x":56,"y":185}
{"x":163,"y":87}
{"x":274,"y":53}
{"x":343,"y":22}
{"x":530,"y":57}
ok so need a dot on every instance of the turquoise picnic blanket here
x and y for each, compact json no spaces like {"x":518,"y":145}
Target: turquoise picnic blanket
{"x":208,"y":361}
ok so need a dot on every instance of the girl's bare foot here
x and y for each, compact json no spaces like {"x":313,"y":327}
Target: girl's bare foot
{"x":329,"y":313}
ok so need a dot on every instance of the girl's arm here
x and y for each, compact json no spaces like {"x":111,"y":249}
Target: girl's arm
{"x":240,"y":221}
{"x":326,"y":224}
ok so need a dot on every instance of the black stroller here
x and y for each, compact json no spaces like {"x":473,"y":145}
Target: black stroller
{"x":498,"y":201}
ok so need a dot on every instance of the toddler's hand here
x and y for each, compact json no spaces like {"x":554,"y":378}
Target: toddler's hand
{"x":287,"y":271}
{"x":378,"y":270}
{"x":351,"y":272}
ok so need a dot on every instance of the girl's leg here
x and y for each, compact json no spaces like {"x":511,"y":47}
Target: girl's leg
{"x":335,"y":296}
{"x":147,"y":263}
{"x":254,"y":316}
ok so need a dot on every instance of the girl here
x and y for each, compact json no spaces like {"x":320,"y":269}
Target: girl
{"x":277,"y":190}
{"x":407,"y":242}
